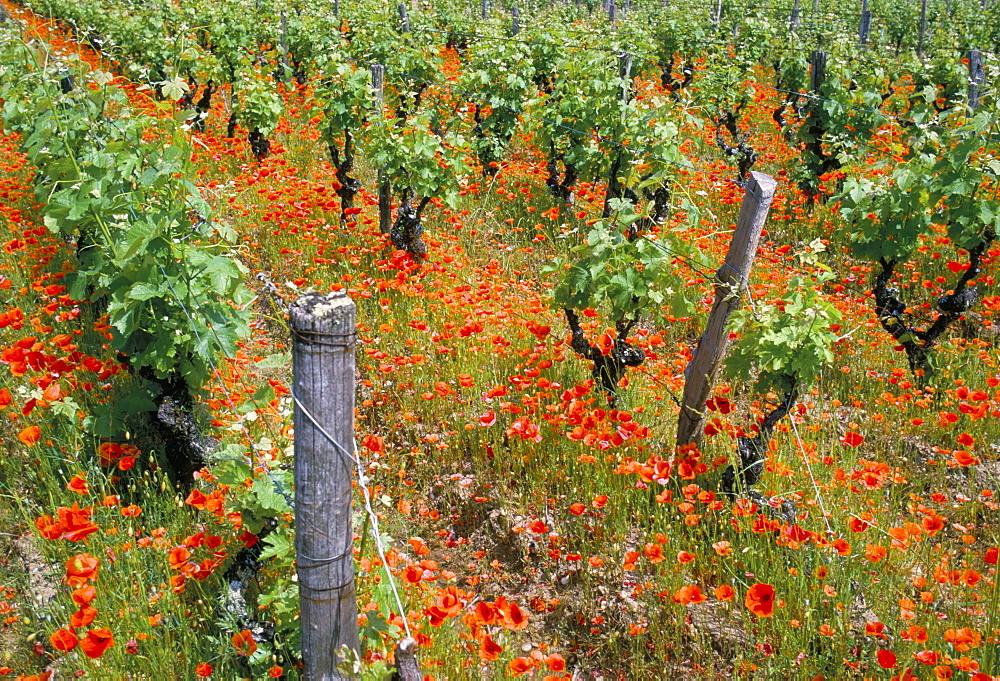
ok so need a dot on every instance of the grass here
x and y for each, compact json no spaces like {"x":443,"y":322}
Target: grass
{"x":493,"y":512}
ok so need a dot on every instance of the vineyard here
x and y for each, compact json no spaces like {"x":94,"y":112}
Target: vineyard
{"x":672,"y":349}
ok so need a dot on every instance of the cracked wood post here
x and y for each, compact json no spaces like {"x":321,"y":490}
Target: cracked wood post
{"x":817,"y":74}
{"x":923,"y":28}
{"x":977,"y":78}
{"x":730,"y":280}
{"x":864,"y":28}
{"x":323,"y":337}
{"x":384,"y":187}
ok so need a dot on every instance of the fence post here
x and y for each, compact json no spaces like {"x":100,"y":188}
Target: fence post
{"x":323,"y":337}
{"x":717,"y":19}
{"x":404,"y":21}
{"x":864,"y":28}
{"x":625,"y":73}
{"x":515,"y":22}
{"x":794,"y":21}
{"x":729,"y":281}
{"x":486,"y":9}
{"x":384,"y":187}
{"x":977,"y":78}
{"x":336,"y":8}
{"x":923,"y":27}
{"x":612,"y":13}
{"x":818,"y":72}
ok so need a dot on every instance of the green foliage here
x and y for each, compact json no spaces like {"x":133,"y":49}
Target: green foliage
{"x":943,"y":180}
{"x":412,"y":156}
{"x":147,"y":245}
{"x":259,"y":105}
{"x":789,"y":342}
{"x":625,"y":277}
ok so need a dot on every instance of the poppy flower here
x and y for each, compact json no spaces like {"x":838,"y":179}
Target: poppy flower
{"x":760,"y":600}
{"x":83,"y":617}
{"x":78,"y":484}
{"x":690,"y":593}
{"x":488,"y":649}
{"x":244,"y":643}
{"x":96,"y":642}
{"x":724,"y":592}
{"x":203,"y":669}
{"x":84,"y":595}
{"x":81,"y":568}
{"x":514,"y":618}
{"x":852,"y":439}
{"x":30,"y":435}
{"x":64,"y":640}
{"x":886,"y":659}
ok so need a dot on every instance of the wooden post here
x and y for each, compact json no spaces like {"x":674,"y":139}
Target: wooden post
{"x":625,"y":73}
{"x":866,"y":23}
{"x":818,"y":72}
{"x":977,"y":78}
{"x":515,"y":22}
{"x":793,"y":23}
{"x":718,"y":12}
{"x":384,"y":187}
{"x":286,"y":69}
{"x":336,"y":8}
{"x":923,"y":27}
{"x":323,"y":337}
{"x":407,"y":668}
{"x":612,"y":13}
{"x":730,"y":280}
{"x":404,"y":21}
{"x":486,"y":9}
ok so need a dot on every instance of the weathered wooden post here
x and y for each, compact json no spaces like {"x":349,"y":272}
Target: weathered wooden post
{"x":515,"y":22}
{"x":625,"y":74}
{"x":612,"y":13}
{"x":793,"y":22}
{"x":717,"y":18}
{"x":384,"y":187}
{"x":404,"y":20}
{"x":923,"y":28}
{"x":336,"y":8}
{"x":323,"y":337}
{"x":818,"y":72}
{"x":864,"y":28}
{"x":486,"y":9}
{"x":731,"y":278}
{"x":977,"y":78}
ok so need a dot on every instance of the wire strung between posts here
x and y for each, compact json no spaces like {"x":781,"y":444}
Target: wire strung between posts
{"x":812,"y":478}
{"x":372,"y":516}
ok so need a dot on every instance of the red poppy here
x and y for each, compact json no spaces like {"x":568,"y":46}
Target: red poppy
{"x":244,"y":643}
{"x":488,"y":649}
{"x":78,"y":484}
{"x":852,"y":439}
{"x":84,"y":595}
{"x":886,"y":659}
{"x":760,"y":600}
{"x":83,"y":617}
{"x":64,"y":640}
{"x":96,"y":642}
{"x":81,"y":568}
{"x":30,"y":435}
{"x":203,"y":669}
